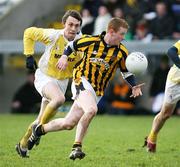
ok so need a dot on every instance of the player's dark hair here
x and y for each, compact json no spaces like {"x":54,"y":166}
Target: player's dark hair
{"x":72,"y":13}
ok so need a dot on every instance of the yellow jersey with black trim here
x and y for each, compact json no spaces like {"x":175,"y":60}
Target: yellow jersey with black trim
{"x":55,"y":43}
{"x":174,"y":73}
{"x":99,"y":62}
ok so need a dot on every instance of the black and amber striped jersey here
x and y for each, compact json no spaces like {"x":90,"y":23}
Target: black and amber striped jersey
{"x":99,"y":62}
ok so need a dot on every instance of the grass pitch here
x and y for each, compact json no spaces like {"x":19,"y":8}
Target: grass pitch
{"x":112,"y":141}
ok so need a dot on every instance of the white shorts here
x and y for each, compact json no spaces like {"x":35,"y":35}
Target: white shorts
{"x":42,"y":79}
{"x":86,"y":86}
{"x":172,"y":92}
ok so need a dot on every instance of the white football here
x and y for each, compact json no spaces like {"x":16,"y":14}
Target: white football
{"x":136,"y":63}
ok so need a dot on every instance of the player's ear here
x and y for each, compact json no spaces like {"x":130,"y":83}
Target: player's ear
{"x":111,"y":31}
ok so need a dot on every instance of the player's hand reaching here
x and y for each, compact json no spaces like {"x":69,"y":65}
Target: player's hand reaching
{"x":31,"y":63}
{"x":62,"y":62}
{"x":136,"y":90}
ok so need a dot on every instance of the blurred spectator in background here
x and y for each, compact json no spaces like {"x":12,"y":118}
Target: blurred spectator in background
{"x":118,"y":12}
{"x":113,"y":4}
{"x":157,"y":87}
{"x":142,"y":32}
{"x":92,"y":6}
{"x":162,"y":26}
{"x":26,"y":99}
{"x":101,"y":20}
{"x":117,"y":99}
{"x":134,"y":10}
{"x":87,"y":26}
{"x":175,"y":8}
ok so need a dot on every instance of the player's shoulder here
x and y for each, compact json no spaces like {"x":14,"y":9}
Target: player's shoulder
{"x":177,"y":44}
{"x":51,"y":31}
{"x":90,"y":38}
{"x":57,"y":31}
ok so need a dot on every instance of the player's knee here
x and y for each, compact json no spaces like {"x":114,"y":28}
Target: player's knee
{"x":68,"y":125}
{"x":92,"y":110}
{"x":58,"y":101}
{"x":166,"y":114}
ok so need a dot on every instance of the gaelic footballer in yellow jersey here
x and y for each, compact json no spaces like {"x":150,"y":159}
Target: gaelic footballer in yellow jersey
{"x":55,"y":42}
{"x":49,"y":81}
{"x":171,"y":97}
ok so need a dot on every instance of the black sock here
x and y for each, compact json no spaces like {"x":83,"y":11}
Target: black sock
{"x":40,"y":131}
{"x":76,"y":145}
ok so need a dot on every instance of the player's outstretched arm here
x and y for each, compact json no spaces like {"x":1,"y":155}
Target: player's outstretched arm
{"x":136,"y":89}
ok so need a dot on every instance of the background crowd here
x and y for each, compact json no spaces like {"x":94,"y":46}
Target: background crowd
{"x":148,"y":19}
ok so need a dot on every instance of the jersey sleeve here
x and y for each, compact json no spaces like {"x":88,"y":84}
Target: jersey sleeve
{"x":32,"y":35}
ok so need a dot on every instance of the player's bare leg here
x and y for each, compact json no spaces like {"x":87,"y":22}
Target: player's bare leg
{"x":44,"y":103}
{"x":52,"y":92}
{"x":89,"y":107}
{"x":56,"y":98}
{"x":158,"y":122}
{"x":160,"y":119}
{"x":66,"y":123}
{"x":22,"y":147}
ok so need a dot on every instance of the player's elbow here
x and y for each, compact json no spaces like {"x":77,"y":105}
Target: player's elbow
{"x":58,"y":101}
{"x":28,"y":31}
